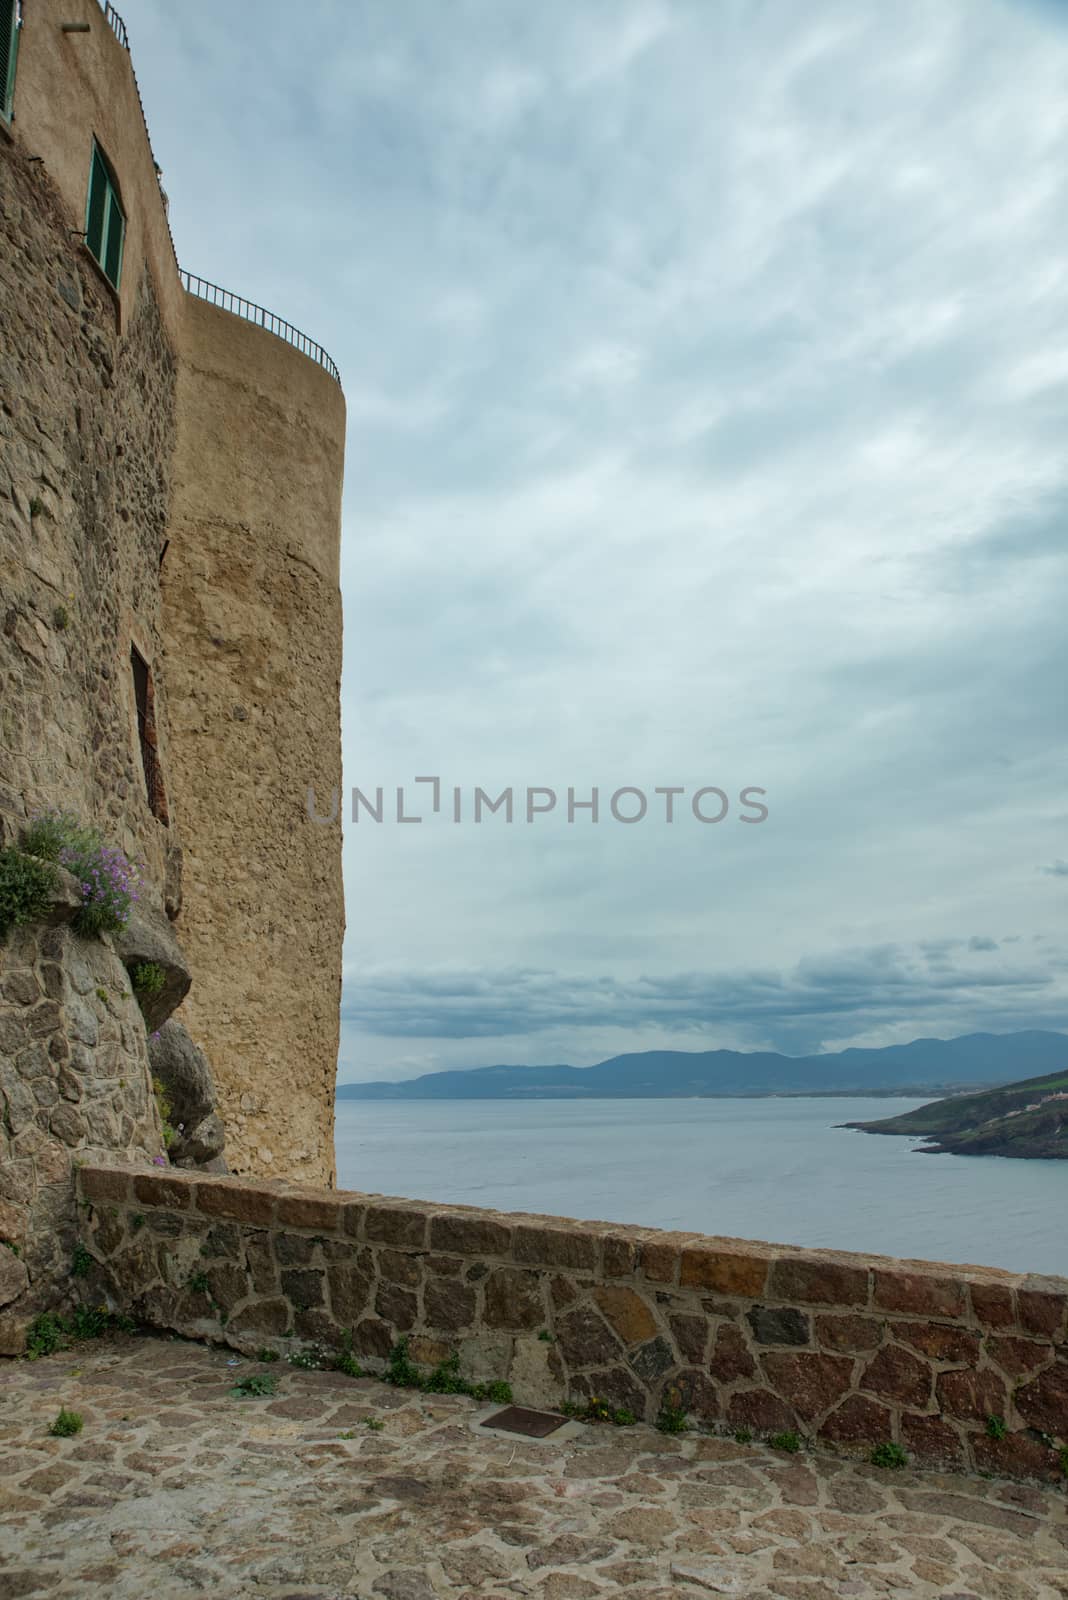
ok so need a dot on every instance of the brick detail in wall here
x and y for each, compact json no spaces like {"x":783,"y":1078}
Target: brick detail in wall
{"x":846,"y":1350}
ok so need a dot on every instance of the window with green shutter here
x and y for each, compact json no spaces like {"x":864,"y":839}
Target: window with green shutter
{"x":10,"y":23}
{"x":105,"y":221}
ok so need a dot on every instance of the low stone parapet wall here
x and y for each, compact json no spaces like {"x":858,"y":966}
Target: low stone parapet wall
{"x":964,"y":1367}
{"x":75,"y":1084}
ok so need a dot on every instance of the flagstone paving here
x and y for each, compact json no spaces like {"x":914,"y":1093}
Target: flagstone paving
{"x":176,"y":1487}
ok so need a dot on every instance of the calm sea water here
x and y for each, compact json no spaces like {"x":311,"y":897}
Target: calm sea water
{"x":757,"y":1169}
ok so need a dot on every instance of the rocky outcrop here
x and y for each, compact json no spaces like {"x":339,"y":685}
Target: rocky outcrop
{"x":1028,"y":1120}
{"x":203,"y":1147}
{"x":185,"y":1075}
{"x":148,"y":940}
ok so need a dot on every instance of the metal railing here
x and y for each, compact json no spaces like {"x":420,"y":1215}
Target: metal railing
{"x":251,"y":312}
{"x":118,"y":27}
{"x":211,"y":292}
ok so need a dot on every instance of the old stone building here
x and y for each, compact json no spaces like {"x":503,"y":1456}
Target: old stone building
{"x":170,"y":636}
{"x":170,"y":644}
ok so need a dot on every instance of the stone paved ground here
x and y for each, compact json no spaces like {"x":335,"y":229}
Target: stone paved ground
{"x":174,"y":1487}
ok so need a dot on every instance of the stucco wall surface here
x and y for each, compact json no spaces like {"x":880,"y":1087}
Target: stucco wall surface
{"x":70,"y":88}
{"x":252,"y":622}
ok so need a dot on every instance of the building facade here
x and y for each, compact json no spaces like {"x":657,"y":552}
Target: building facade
{"x":171,"y":467}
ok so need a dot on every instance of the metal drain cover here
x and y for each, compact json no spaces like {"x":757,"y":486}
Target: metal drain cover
{"x":517,"y":1419}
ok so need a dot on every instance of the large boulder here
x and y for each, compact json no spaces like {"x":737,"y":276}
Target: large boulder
{"x":183,"y":1070}
{"x":148,"y":940}
{"x":202,"y":1147}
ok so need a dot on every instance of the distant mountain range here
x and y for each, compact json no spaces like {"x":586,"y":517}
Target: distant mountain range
{"x":926,"y":1066}
{"x":1023,"y":1119}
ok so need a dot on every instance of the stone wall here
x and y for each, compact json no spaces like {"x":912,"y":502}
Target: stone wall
{"x":75,"y":1086}
{"x":252,"y":619}
{"x":146,"y":440}
{"x":847,"y":1351}
{"x":71,"y":88}
{"x":88,"y":421}
{"x":87,"y":433}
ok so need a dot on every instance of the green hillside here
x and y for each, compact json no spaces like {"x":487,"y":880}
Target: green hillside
{"x":1028,"y":1119}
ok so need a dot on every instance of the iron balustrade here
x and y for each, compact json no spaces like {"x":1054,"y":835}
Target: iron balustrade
{"x":216,"y":296}
{"x":240,"y":307}
{"x":118,"y":27}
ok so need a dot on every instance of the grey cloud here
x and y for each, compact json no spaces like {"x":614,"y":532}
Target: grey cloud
{"x":707,"y":388}
{"x":820,"y":1000}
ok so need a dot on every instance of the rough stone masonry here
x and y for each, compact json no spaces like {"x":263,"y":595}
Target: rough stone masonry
{"x":170,"y":618}
{"x":845,"y":1350}
{"x":337,"y":1487}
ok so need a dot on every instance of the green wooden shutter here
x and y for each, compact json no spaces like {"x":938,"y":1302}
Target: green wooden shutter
{"x":113,"y":245}
{"x":105,"y":222}
{"x":9,"y":51}
{"x":97,"y":206}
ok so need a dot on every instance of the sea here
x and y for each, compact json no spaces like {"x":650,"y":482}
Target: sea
{"x":777,"y":1169}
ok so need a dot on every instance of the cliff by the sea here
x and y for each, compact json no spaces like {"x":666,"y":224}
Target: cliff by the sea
{"x":1028,"y":1119}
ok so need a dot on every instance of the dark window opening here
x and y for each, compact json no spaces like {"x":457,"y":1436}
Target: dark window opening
{"x":144,"y":695}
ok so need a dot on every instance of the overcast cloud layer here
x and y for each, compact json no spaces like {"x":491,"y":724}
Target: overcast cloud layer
{"x":707,"y":374}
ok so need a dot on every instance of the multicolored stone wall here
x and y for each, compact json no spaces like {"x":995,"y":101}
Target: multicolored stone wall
{"x":845,"y":1350}
{"x":75,"y":1085}
{"x":170,"y":616}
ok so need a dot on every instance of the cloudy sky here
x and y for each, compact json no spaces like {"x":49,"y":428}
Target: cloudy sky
{"x":707,"y":379}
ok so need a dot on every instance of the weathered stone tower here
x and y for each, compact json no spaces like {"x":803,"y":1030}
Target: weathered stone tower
{"x":170,"y":625}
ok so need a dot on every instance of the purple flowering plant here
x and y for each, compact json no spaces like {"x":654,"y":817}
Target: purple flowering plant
{"x":110,"y":883}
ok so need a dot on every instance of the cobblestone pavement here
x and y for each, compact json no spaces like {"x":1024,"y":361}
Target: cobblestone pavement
{"x":176,"y":1487}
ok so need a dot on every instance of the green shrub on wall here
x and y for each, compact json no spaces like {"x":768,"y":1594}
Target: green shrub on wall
{"x":163,"y":1106}
{"x":148,"y":978}
{"x":49,"y":833}
{"x":25,"y":885}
